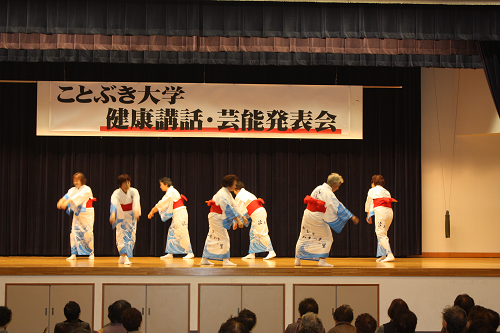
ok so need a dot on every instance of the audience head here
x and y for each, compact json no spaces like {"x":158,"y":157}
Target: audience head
{"x":454,"y":319}
{"x":308,"y":305}
{"x":343,"y":313}
{"x":480,"y":313}
{"x":72,"y":311}
{"x":80,"y":330}
{"x":310,"y":329}
{"x":311,"y":319}
{"x":365,"y":323}
{"x":115,"y":310}
{"x":5,"y":316}
{"x":405,"y":321}
{"x":396,"y":305}
{"x":131,"y":319}
{"x":480,"y":326}
{"x":233,"y":325}
{"x":249,"y":319}
{"x":465,"y":302}
{"x":494,"y":319}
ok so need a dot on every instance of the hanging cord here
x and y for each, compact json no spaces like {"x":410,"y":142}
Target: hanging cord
{"x":439,"y":135}
{"x":447,"y":207}
{"x":454,"y":136}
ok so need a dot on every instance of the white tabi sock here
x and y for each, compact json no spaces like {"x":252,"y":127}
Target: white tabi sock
{"x":72,"y":257}
{"x":322,"y":263}
{"x":188,"y":256}
{"x":167,"y":256}
{"x":204,"y":261}
{"x":249,"y":256}
{"x":270,"y":255}
{"x":226,"y":262}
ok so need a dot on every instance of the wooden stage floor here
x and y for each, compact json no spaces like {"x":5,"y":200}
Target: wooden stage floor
{"x":153,"y":266}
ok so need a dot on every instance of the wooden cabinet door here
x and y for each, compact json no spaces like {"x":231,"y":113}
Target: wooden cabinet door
{"x":62,"y":294}
{"x":167,"y":308}
{"x":325,"y":296}
{"x":267,"y":302}
{"x":30,"y":308}
{"x":216,"y":304}
{"x":362,"y":299}
{"x":134,"y":294}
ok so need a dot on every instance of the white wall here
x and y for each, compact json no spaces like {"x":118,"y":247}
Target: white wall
{"x":460,"y":162}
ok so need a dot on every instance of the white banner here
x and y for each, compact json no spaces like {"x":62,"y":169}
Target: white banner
{"x":199,"y":110}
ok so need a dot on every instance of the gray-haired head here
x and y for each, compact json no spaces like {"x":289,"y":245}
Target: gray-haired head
{"x":334,"y":179}
{"x":311,"y":319}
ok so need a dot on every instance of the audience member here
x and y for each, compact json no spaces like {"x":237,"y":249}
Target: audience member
{"x":115,"y":311}
{"x":5,"y":317}
{"x":480,"y":326}
{"x":343,"y":317}
{"x":233,"y":325}
{"x":494,"y":319}
{"x":465,"y":302}
{"x":365,"y":323}
{"x":72,"y":322}
{"x":310,"y":329}
{"x":405,"y":321}
{"x":248,"y":318}
{"x":395,"y":306}
{"x":131,"y":320}
{"x":454,"y":319}
{"x":305,"y":306}
{"x":311,"y":319}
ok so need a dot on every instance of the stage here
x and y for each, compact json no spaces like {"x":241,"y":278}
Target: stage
{"x":152,"y":266}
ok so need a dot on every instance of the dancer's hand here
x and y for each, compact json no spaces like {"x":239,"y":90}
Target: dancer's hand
{"x":369,"y":220}
{"x":112,"y":219}
{"x":235,"y":226}
{"x":354,"y":220}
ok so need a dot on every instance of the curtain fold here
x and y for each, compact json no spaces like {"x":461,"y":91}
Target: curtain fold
{"x":36,"y":170}
{"x":241,"y":58}
{"x":251,"y":19}
{"x":490,"y":57}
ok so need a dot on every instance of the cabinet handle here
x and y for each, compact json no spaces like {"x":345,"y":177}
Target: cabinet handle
{"x":143,"y":311}
{"x":52,"y":311}
{"x":149,"y":311}
{"x":45,"y":311}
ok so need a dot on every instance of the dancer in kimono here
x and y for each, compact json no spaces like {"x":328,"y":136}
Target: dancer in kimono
{"x":223,"y":214}
{"x":378,"y":203}
{"x":324,"y":211}
{"x":256,"y":214}
{"x":172,"y":205}
{"x":79,"y":201}
{"x":124,"y":213}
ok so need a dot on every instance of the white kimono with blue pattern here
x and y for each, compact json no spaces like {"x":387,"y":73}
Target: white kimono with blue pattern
{"x":125,"y":222}
{"x":82,"y":227}
{"x":178,"y":234}
{"x":217,"y":242}
{"x":259,"y":232}
{"x":315,"y":239}
{"x":383,"y":218}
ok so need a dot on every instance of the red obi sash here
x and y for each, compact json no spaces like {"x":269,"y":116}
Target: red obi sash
{"x":89,"y":202}
{"x":127,"y":207}
{"x":180,"y":202}
{"x":314,"y":205}
{"x":213,"y":207}
{"x":254,"y":205}
{"x":384,"y":202}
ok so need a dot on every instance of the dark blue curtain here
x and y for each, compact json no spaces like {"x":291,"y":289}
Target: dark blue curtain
{"x":490,"y":56}
{"x":251,"y":19}
{"x":36,"y":171}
